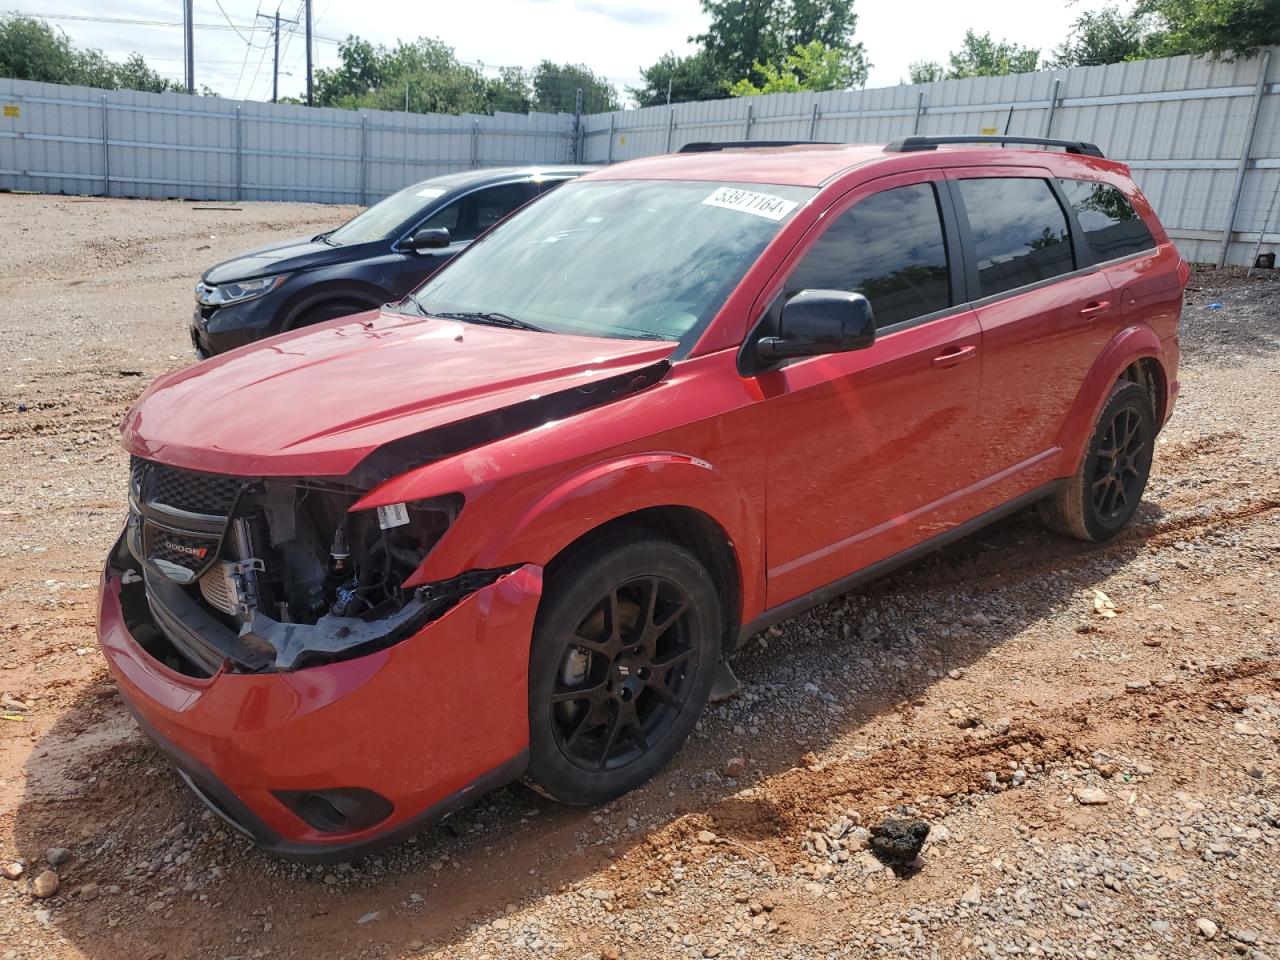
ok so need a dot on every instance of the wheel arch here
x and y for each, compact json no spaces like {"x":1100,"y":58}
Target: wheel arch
{"x":365,"y":294}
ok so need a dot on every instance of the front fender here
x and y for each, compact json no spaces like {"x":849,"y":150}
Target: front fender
{"x":1131,"y":344}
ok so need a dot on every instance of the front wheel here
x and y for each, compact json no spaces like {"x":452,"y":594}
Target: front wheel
{"x":624,"y":653}
{"x":1103,"y":494}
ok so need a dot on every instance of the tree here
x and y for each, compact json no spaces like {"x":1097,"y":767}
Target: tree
{"x":679,"y":80}
{"x":1106,"y":36}
{"x":1223,"y":29}
{"x":981,"y":56}
{"x":741,"y":34}
{"x":811,"y":66}
{"x":31,"y":50}
{"x":511,"y":91}
{"x":555,"y":89}
{"x":926,"y":71}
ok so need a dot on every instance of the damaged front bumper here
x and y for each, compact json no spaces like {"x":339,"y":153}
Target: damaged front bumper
{"x":321,"y":762}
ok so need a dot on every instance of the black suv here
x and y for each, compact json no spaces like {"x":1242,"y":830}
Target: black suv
{"x":376,"y":257}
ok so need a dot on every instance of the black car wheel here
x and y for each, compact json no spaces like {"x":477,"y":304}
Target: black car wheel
{"x":329,"y":310}
{"x":1103,"y":494}
{"x":624,"y":653}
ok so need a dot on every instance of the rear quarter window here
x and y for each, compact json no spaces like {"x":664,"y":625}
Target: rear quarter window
{"x":1111,"y":227}
{"x":1019,"y":232}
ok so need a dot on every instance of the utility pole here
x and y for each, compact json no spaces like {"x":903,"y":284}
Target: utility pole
{"x":275,"y":63}
{"x":188,"y":38}
{"x":311,"y":101}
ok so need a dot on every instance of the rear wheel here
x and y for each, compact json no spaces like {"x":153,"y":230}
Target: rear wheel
{"x":624,"y":654}
{"x":1099,"y":500}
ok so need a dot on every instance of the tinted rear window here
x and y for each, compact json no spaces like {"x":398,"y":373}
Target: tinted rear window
{"x":888,"y":247}
{"x":1019,"y":232}
{"x":1111,"y":226}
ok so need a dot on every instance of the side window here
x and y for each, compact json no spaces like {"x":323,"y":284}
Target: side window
{"x":1019,"y":232}
{"x":491,"y":205}
{"x":888,"y":247}
{"x":1111,"y":226}
{"x":446,"y":217}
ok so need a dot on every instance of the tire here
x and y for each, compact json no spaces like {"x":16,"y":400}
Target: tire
{"x":328,"y":310}
{"x":1100,"y":499}
{"x":625,"y":649}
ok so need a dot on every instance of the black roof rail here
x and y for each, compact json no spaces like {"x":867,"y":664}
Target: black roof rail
{"x":711,"y":146}
{"x":909,"y":144}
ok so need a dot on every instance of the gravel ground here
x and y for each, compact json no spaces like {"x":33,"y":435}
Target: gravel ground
{"x":1099,"y":782}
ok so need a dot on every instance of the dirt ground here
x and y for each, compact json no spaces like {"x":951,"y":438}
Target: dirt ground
{"x":1097,"y":785}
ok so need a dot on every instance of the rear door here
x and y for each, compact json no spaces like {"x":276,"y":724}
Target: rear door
{"x":869,"y":451}
{"x":1045,"y":315}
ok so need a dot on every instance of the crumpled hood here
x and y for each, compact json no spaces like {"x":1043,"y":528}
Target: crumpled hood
{"x":317,"y":401}
{"x":281,"y":257}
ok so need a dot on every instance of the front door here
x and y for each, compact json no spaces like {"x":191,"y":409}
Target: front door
{"x":871,"y":451}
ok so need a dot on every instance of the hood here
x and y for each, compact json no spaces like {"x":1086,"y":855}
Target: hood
{"x":316,"y":402}
{"x":276,"y":258}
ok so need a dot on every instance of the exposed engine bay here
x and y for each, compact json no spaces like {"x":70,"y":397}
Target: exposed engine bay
{"x":280,"y":573}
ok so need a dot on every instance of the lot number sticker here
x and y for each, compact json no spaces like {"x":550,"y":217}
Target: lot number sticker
{"x":747,"y":201}
{"x":393,"y":515}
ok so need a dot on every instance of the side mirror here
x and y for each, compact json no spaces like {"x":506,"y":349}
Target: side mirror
{"x":814,"y":322}
{"x":432,"y":239}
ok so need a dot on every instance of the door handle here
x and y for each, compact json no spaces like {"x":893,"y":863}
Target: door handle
{"x":956,"y":355}
{"x":1095,"y":308}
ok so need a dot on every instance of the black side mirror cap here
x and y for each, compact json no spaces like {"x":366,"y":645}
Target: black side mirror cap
{"x":816,"y":322}
{"x":431,"y":239}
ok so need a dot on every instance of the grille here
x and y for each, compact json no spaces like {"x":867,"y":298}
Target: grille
{"x":205,"y":493}
{"x":213,"y":587}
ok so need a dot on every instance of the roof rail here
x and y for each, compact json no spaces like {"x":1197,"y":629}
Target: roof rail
{"x":712,"y":146}
{"x":909,"y":144}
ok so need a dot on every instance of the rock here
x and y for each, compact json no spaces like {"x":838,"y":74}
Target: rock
{"x":415,"y":945}
{"x":12,"y":871}
{"x":972,"y":897}
{"x":57,"y":856}
{"x":1133,"y":686}
{"x":330,"y":879}
{"x":369,"y":917}
{"x":1208,"y":929}
{"x":1091,"y":796}
{"x":45,"y":885}
{"x":1249,"y":937}
{"x":155,"y":906}
{"x":706,"y":836}
{"x":1001,"y":726}
{"x":898,"y":841}
{"x":735,"y":767}
{"x":88,"y":891}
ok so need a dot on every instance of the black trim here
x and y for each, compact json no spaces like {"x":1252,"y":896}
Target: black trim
{"x":219,"y":798}
{"x":714,"y":146}
{"x":1082,"y":255}
{"x":821,"y":595}
{"x":913,"y":144}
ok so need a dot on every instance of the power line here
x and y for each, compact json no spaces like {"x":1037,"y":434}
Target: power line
{"x":248,"y":45}
{"x":143,"y":23}
{"x":229,"y":23}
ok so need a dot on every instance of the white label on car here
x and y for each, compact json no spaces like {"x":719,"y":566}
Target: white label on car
{"x":761,"y":204}
{"x":393,"y":515}
{"x":430,"y":192}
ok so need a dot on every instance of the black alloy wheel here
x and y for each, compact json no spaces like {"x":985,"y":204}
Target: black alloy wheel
{"x":625,"y":649}
{"x":1118,"y":474}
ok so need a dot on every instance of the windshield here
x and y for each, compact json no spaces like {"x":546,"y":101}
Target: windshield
{"x":617,"y":258}
{"x":380,"y":221}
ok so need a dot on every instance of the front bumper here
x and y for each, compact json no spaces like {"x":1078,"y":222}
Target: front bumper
{"x":428,"y":724}
{"x":216,"y":330}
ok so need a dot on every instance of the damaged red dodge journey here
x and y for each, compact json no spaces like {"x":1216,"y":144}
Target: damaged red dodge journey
{"x":512,"y":526}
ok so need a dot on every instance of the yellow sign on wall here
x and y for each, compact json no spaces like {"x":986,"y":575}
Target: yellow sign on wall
{"x":12,"y":110}
{"x":989,"y":131}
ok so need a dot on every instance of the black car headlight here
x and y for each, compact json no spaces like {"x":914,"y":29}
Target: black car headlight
{"x":237,"y":291}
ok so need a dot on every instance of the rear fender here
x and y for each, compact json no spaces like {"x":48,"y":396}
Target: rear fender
{"x":1126,"y":347}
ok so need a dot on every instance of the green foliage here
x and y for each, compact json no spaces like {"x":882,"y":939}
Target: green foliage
{"x":1224,"y":29}
{"x":1106,"y":36}
{"x":981,"y":56}
{"x":812,"y":66}
{"x":31,"y":50}
{"x":685,"y":78}
{"x":555,"y":88}
{"x":926,"y":71}
{"x":741,"y":34}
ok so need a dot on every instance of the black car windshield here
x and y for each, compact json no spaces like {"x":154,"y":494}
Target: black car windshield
{"x":617,"y":258}
{"x":380,"y":221}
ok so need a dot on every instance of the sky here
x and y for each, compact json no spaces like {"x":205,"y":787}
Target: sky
{"x":615,"y":38}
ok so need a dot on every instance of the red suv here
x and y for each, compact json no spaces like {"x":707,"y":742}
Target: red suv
{"x":511,"y":526}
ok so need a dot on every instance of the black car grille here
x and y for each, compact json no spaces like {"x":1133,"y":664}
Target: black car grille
{"x":192,"y":553}
{"x":186,"y":490}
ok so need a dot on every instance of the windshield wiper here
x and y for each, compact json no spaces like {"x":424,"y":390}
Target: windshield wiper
{"x":324,"y":238}
{"x":490,"y":317}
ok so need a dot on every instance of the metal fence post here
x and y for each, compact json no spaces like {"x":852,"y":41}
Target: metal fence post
{"x":609,"y":156}
{"x":1243,"y":168}
{"x":106,"y":152}
{"x":239,"y":138}
{"x":671,"y":126}
{"x":746,"y":134}
{"x":475,"y":143}
{"x":915,"y":126}
{"x":813,"y":122}
{"x":364,"y":159}
{"x":1053,"y":106}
